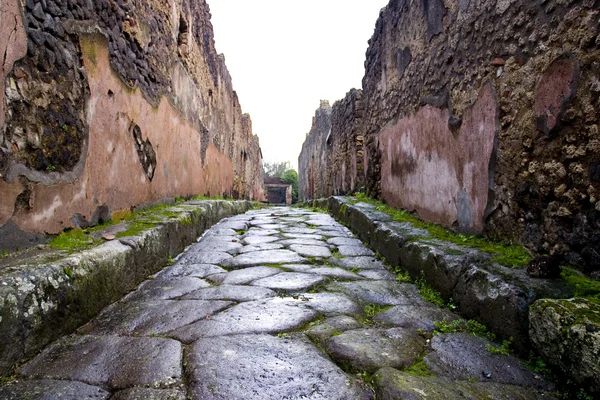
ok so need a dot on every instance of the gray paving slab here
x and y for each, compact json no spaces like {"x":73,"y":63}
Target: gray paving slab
{"x":221,"y":246}
{"x":330,"y":303}
{"x":49,"y":389}
{"x":149,"y":394}
{"x":344,"y":241}
{"x":415,"y":317}
{"x":247,"y":275}
{"x":304,"y":242}
{"x":259,"y":247}
{"x":332,"y":326}
{"x":204,"y":257}
{"x":337,"y":273}
{"x":231,"y":292}
{"x":383,"y":293}
{"x":302,"y":236}
{"x":354,"y":251}
{"x":149,"y":318}
{"x":311,"y":251}
{"x":263,"y":316}
{"x":167,"y":288}
{"x":289,"y":281}
{"x":259,"y":367}
{"x":112,"y":362}
{"x":259,"y":239}
{"x":359,"y":263}
{"x":191,"y":270}
{"x":264,"y":257}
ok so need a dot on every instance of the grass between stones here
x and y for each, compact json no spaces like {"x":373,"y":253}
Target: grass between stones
{"x":506,"y":254}
{"x":583,"y":286}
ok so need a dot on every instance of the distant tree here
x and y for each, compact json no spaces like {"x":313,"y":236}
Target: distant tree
{"x":291,"y":177}
{"x":276,"y":169}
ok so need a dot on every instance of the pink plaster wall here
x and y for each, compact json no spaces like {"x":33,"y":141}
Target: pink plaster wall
{"x":425,"y":167}
{"x":113,"y":174}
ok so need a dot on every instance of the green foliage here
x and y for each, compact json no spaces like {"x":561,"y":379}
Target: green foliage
{"x":583,"y":286}
{"x":68,"y":272}
{"x":502,"y":253}
{"x":276,"y":169}
{"x":170,"y":261}
{"x":448,"y":326}
{"x":504,"y":348}
{"x":4,"y":253}
{"x":478,"y":329}
{"x":51,"y":168}
{"x":335,"y":253}
{"x":428,"y":293}
{"x":71,"y":240}
{"x":372,"y":310}
{"x":290,"y":177}
{"x":419,"y":369}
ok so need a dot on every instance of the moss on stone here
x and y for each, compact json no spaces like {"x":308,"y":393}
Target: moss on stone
{"x":506,"y":254}
{"x":583,"y":286}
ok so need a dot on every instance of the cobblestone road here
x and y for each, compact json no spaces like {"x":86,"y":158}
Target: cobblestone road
{"x":279,"y":303}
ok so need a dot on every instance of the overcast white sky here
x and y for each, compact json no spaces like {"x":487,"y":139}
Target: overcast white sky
{"x":285,"y":56}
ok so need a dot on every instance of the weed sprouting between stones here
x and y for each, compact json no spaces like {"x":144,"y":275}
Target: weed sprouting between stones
{"x":428,"y":293}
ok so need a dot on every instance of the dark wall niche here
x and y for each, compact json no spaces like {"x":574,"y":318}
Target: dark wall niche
{"x":145,"y":151}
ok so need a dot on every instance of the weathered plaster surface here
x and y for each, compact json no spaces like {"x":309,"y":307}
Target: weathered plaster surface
{"x":113,"y":174}
{"x":13,"y":44}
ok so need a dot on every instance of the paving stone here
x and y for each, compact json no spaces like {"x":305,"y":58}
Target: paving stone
{"x":167,"y":288}
{"x":464,"y":356}
{"x":49,"y":389}
{"x":359,"y":263}
{"x":385,"y":293}
{"x":331,"y":326}
{"x":311,"y":251}
{"x":321,"y":222}
{"x":259,"y":239}
{"x":113,"y":362}
{"x":247,"y":275}
{"x":216,"y":231}
{"x":217,"y":278}
{"x":232,"y":224}
{"x":259,"y":231}
{"x":298,"y":230}
{"x":204,"y":257}
{"x":371,"y":349}
{"x":263,"y":316}
{"x":231,"y":292}
{"x":155,"y":317}
{"x":415,"y":318}
{"x":354,"y":251}
{"x":269,"y":226}
{"x":192,"y":270}
{"x":338,"y":273}
{"x":392,"y":384}
{"x":377,"y":275}
{"x":304,"y":242}
{"x":148,"y":394}
{"x":258,"y":367}
{"x":289,"y":281}
{"x":222,"y":246}
{"x":344,"y":241}
{"x":303,"y":236}
{"x":264,"y":257}
{"x":297,"y":267}
{"x":330,"y":303}
{"x":260,"y":247}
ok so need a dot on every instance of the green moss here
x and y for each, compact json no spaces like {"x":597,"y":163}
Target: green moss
{"x":72,"y":240}
{"x":419,"y":369}
{"x":583,"y":286}
{"x":335,"y":253}
{"x":336,"y":333}
{"x":371,"y":310}
{"x":428,"y":293}
{"x":504,"y":349}
{"x":502,"y":253}
{"x":241,"y":232}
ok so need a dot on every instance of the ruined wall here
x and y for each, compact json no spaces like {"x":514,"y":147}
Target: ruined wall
{"x":107,"y":105}
{"x":483,"y":114}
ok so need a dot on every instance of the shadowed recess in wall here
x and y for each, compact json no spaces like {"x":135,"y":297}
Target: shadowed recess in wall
{"x":145,"y":152}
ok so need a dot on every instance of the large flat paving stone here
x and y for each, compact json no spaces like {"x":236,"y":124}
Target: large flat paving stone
{"x":49,"y":389}
{"x":259,"y":247}
{"x":301,"y":230}
{"x":354,"y":251}
{"x":371,"y":349}
{"x":148,"y":394}
{"x":392,"y":384}
{"x":163,"y":288}
{"x":362,"y":262}
{"x":303,"y":236}
{"x":193,"y":270}
{"x":231,"y":292}
{"x":204,"y":257}
{"x":259,"y":231}
{"x":336,"y":273}
{"x":311,"y":251}
{"x":263,"y":316}
{"x":259,"y":239}
{"x":331,"y":326}
{"x":260,"y":367}
{"x":154,"y":317}
{"x":222,"y":245}
{"x":303,"y":242}
{"x":385,"y":293}
{"x":235,"y":225}
{"x":415,"y":317}
{"x":344,"y":241}
{"x":377,"y":275}
{"x":247,"y":275}
{"x":330,"y":303}
{"x":113,"y":362}
{"x":465,"y":357}
{"x":264,"y":257}
{"x":289,"y":281}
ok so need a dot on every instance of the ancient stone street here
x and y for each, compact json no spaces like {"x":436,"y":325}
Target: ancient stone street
{"x":278,"y":303}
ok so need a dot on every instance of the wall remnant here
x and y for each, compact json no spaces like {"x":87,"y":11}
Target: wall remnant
{"x":478,"y":115}
{"x":117,"y":104}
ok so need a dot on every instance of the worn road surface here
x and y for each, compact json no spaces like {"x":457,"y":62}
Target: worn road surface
{"x":278,"y":303}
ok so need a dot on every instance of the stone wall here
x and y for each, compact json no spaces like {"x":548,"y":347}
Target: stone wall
{"x":107,"y":105}
{"x":483,"y":115}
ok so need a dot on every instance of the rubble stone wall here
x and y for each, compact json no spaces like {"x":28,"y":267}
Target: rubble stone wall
{"x":110,"y":104}
{"x":482,"y":115}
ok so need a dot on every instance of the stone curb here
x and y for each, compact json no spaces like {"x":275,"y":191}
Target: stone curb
{"x":495,"y":295}
{"x":42,"y":300}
